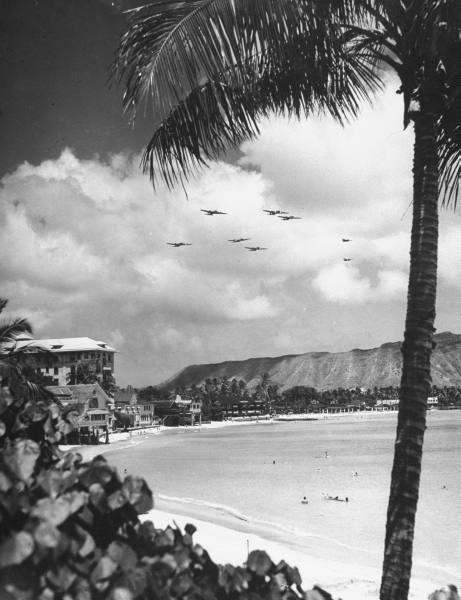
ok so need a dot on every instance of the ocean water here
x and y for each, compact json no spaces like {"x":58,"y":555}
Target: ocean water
{"x":253,"y":478}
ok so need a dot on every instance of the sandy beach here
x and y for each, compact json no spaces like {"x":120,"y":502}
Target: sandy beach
{"x":227,"y":531}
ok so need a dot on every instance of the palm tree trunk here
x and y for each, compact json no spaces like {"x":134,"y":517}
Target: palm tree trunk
{"x":416,"y":375}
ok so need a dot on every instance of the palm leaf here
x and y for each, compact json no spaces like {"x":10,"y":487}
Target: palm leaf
{"x":9,"y":330}
{"x":172,"y":48}
{"x":218,"y":116}
{"x":231,"y":62}
{"x":449,"y":72}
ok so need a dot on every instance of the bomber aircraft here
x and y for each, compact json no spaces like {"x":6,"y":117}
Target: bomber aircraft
{"x":210,"y":213}
{"x":346,"y":240}
{"x":347,"y":259}
{"x":178,"y":244}
{"x":275,"y":212}
{"x":254,"y":248}
{"x":289,"y":218}
{"x":236,"y":240}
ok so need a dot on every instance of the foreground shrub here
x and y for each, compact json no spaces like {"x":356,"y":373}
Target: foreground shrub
{"x":70,"y":530}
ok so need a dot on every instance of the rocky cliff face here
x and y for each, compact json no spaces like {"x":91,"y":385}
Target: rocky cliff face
{"x":327,"y":370}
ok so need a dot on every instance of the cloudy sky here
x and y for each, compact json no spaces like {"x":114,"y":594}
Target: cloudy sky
{"x":83,"y":241}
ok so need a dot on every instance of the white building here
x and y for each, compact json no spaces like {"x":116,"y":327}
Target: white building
{"x":60,"y":359}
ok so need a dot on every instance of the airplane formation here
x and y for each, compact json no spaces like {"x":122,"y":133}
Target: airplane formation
{"x":281,"y":214}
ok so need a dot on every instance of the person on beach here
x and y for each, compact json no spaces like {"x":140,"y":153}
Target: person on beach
{"x":304,"y":500}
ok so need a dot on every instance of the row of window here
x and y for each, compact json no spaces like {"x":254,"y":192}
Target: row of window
{"x":70,"y":356}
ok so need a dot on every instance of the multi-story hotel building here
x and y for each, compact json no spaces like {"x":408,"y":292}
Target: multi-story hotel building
{"x":59,"y":359}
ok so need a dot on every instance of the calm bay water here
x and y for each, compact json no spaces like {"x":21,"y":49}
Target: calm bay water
{"x":253,"y":478}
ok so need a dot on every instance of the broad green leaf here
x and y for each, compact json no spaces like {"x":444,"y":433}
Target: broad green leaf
{"x":181,"y":584}
{"x":121,"y":593}
{"x":138,"y":494}
{"x":87,"y":547}
{"x":61,"y":578}
{"x":56,"y":511}
{"x":16,"y":548}
{"x":5,"y":482}
{"x":104,"y":569}
{"x":259,"y":562}
{"x":123,"y":555}
{"x":47,"y":535}
{"x":116,"y":500}
{"x":98,"y":496}
{"x":20,"y":457}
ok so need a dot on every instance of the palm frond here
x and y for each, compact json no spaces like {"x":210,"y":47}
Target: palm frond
{"x":211,"y":68}
{"x":449,"y":73}
{"x":219,"y":116}
{"x":9,"y":330}
{"x":172,"y":48}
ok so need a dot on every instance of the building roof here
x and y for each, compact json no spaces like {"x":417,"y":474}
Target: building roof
{"x":80,"y":393}
{"x":128,"y":396}
{"x":57,"y":345}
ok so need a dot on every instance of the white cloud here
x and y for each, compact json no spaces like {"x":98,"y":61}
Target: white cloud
{"x":343,"y":283}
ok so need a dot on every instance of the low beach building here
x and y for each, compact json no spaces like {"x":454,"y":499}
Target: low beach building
{"x":133,"y":412}
{"x":91,"y":407}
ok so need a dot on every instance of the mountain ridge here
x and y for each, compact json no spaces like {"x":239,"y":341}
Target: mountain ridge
{"x":359,"y":367}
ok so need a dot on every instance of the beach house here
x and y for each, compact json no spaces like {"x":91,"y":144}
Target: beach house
{"x":91,"y":408}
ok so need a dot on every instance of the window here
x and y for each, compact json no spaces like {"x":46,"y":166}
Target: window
{"x":56,"y":370}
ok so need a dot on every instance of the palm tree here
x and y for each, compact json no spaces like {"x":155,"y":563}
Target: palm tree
{"x":16,"y":372}
{"x":211,"y":69}
{"x":11,"y":329}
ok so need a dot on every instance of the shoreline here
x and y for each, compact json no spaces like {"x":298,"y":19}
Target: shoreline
{"x":128,"y":439}
{"x":133,"y":436}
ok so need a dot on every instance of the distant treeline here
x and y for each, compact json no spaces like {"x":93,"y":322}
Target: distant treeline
{"x":233,"y":395}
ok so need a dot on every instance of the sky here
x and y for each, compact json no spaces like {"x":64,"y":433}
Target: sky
{"x":83,"y":240}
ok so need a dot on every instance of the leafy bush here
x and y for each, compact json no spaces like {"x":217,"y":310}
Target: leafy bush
{"x":69,"y":530}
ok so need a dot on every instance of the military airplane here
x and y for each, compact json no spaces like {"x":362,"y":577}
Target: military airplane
{"x":347,"y":259}
{"x":236,"y":240}
{"x":254,"y":248}
{"x":210,"y":213}
{"x":178,"y":244}
{"x":289,"y":218}
{"x":346,"y":240}
{"x":275,"y":212}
